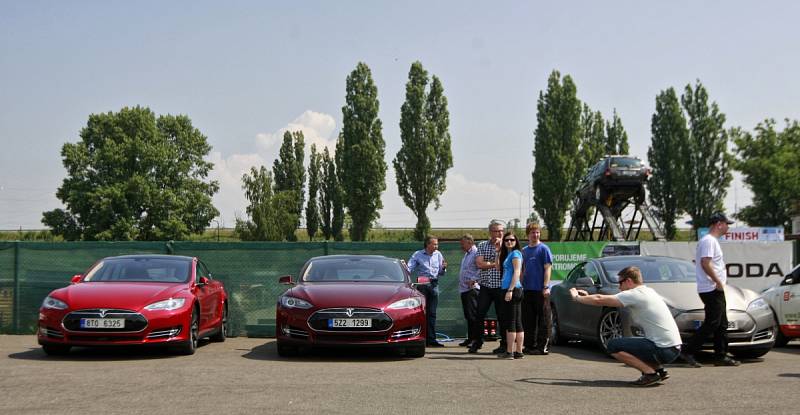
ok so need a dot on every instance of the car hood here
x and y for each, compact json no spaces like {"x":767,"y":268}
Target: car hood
{"x":356,"y":294}
{"x":132,"y":296}
{"x":683,"y":296}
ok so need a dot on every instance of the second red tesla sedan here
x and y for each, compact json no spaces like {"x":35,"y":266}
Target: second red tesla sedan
{"x":351,"y":300}
{"x":136,"y":299}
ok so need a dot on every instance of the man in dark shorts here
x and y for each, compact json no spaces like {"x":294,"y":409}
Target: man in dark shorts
{"x":661,"y":342}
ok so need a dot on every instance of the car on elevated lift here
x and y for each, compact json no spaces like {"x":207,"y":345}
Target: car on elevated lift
{"x":617,"y":176}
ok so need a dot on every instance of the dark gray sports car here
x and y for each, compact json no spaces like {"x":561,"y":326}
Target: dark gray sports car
{"x":751,"y":325}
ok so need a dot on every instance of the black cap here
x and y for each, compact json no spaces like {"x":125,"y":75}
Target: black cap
{"x":719,"y":217}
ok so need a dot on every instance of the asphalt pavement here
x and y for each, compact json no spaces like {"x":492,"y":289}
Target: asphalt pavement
{"x":246,"y":376}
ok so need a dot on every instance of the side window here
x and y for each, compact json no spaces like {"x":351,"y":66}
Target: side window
{"x":200,"y":271}
{"x":591,"y":272}
{"x":575,"y":274}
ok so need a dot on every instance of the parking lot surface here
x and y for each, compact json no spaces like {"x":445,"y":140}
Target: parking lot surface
{"x":245,"y":376}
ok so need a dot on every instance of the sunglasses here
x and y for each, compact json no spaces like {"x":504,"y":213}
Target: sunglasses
{"x":509,"y":240}
{"x":622,"y":280}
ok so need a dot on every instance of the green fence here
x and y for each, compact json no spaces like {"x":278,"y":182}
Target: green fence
{"x":250,"y":271}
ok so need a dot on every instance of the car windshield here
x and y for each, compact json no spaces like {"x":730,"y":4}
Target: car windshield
{"x":653,"y":270}
{"x":354,"y":269}
{"x":627,"y":162}
{"x":140,"y":270}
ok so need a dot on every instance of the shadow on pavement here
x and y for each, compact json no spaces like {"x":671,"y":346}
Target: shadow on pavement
{"x":268,"y":352}
{"x":101,"y":353}
{"x":601,"y":383}
{"x":789,"y":375}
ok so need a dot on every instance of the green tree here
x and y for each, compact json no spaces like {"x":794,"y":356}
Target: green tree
{"x":616,"y":137}
{"x":708,"y":172}
{"x":669,"y":136}
{"x":135,"y":176}
{"x":289,"y":173}
{"x":329,"y":185}
{"x":557,"y":140}
{"x":767,"y":160}
{"x":424,"y":157}
{"x":360,"y":160}
{"x":593,"y":139}
{"x":314,"y":186}
{"x":271,"y":215}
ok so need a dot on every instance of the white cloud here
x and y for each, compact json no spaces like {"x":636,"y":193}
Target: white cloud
{"x":317,"y":129}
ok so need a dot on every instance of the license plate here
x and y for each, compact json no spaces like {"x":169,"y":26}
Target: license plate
{"x":349,"y":322}
{"x":102,"y":323}
{"x":731,"y":324}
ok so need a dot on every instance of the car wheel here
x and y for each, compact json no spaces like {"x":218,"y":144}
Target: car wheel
{"x":222,"y":334}
{"x":780,"y":339}
{"x":556,"y":337}
{"x":750,"y":353}
{"x":610,"y":327}
{"x":285,"y":350}
{"x":190,"y":346}
{"x":55,"y":349}
{"x":415,"y":351}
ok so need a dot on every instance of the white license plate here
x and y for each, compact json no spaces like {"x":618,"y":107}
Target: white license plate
{"x":102,"y":323}
{"x":349,"y":322}
{"x":731,"y":324}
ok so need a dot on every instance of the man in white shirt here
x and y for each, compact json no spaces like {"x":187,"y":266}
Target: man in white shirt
{"x":662,"y":340}
{"x":711,"y":279}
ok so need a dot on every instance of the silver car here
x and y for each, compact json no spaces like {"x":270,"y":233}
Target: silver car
{"x":751,"y":325}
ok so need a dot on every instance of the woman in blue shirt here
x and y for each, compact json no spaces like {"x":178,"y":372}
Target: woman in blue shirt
{"x":511,"y":260}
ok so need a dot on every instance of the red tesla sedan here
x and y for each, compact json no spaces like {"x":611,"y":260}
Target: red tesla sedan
{"x":136,"y":299}
{"x":351,"y":300}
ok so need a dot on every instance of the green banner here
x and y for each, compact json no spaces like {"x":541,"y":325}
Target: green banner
{"x":568,"y":254}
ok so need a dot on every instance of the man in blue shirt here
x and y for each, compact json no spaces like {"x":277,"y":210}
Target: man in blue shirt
{"x":538,"y":263}
{"x":430,"y":263}
{"x":468,"y":287}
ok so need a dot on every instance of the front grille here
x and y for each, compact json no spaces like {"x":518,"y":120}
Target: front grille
{"x":157,"y":334}
{"x":134,"y":322}
{"x":402,"y":334}
{"x":350,"y":337}
{"x":380,"y":320}
{"x":109,"y":339}
{"x":765,"y":334}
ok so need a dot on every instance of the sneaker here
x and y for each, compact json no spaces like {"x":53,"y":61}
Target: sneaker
{"x":505,"y":355}
{"x":725,"y":361}
{"x":518,"y":355}
{"x":465,"y":343}
{"x":662,"y":373}
{"x":472,"y":350}
{"x":647,"y":380}
{"x":689,"y":359}
{"x":499,"y":349}
{"x":527,"y":350}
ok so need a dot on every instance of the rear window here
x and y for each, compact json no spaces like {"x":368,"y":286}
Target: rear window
{"x":629,"y":162}
{"x":362,"y":269}
{"x":140,"y":270}
{"x":654,"y":270}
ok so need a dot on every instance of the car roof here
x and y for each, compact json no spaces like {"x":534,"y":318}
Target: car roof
{"x":151,"y":256}
{"x":637,"y":257}
{"x":351,"y":256}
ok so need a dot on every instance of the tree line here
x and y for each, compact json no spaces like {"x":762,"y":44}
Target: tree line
{"x":137,"y":176}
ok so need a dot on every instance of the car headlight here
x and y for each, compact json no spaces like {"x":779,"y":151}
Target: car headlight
{"x":757,"y":305}
{"x":53,"y":303}
{"x":405,"y":303}
{"x":171,"y":304}
{"x":292,"y":302}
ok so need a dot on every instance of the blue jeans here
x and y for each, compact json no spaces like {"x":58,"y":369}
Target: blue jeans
{"x":431,"y":293}
{"x":644,"y":349}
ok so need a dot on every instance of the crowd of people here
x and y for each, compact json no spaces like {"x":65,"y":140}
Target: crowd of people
{"x":516,"y":281}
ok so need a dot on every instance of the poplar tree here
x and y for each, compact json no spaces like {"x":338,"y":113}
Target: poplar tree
{"x":289,"y":173}
{"x":360,"y":162}
{"x":425,"y":156}
{"x":557,"y":140}
{"x":314,"y":184}
{"x":329,"y":186}
{"x":669,"y":136}
{"x":616,"y":137}
{"x":708,"y":172}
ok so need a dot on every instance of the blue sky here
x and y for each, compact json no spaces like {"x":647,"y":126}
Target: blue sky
{"x":245,"y":72}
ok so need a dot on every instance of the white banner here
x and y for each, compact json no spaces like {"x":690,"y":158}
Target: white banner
{"x":753,"y":265}
{"x":751,"y":234}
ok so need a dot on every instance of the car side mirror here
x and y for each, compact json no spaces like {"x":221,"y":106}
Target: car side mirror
{"x":203,"y":281}
{"x":584,"y":282}
{"x":76,"y":278}
{"x":788,"y":281}
{"x":286,"y":279}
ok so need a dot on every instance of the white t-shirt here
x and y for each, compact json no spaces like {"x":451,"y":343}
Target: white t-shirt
{"x":708,"y":247}
{"x":650,"y":313}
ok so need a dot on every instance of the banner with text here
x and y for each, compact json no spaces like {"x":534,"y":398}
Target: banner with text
{"x":568,"y":254}
{"x":753,"y":265}
{"x":752,"y":234}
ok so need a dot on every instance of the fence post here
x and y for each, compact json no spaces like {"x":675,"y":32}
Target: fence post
{"x":15,"y":297}
{"x":325,"y":244}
